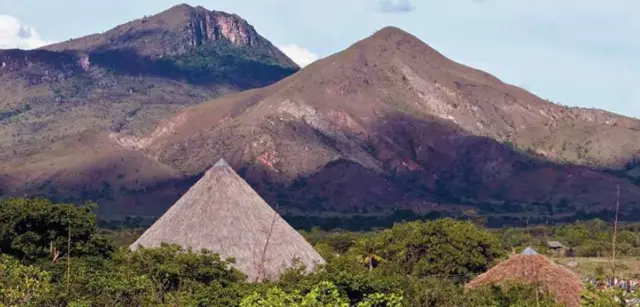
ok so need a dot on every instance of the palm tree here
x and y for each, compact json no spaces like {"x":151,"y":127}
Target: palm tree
{"x":367,"y":251}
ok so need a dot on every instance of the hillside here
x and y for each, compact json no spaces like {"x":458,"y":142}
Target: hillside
{"x":388,"y":123}
{"x":130,"y":77}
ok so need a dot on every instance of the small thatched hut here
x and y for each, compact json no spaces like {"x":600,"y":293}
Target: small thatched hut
{"x":532,"y":268}
{"x":223,"y":214}
{"x":557,"y":248}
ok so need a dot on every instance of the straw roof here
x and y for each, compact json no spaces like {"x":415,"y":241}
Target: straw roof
{"x":223,"y":214}
{"x":555,"y":244}
{"x":532,"y":268}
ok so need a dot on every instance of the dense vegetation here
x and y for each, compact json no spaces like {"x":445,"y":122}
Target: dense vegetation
{"x":215,"y":63}
{"x":420,"y":263}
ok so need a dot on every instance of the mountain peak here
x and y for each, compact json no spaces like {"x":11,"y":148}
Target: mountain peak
{"x":391,"y":31}
{"x":175,"y":31}
{"x":203,"y":26}
{"x":180,"y":7}
{"x":183,"y":13}
{"x":390,"y":41}
{"x":392,"y":34}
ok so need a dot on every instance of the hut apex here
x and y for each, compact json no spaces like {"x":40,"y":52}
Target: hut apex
{"x":223,"y":214}
{"x":529,"y":251}
{"x":221,"y":163}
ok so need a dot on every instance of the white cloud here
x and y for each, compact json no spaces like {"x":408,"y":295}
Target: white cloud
{"x":301,"y":56}
{"x":395,"y":6}
{"x":13,"y":34}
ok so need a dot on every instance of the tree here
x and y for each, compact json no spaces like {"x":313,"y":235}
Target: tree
{"x":433,"y":291}
{"x":32,"y":228}
{"x":172,"y":268}
{"x":628,"y":237}
{"x":150,"y":277}
{"x":366,"y":251}
{"x":21,"y":285}
{"x":592,"y":297}
{"x":446,"y":248}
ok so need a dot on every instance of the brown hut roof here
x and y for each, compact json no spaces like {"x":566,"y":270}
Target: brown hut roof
{"x":532,"y":268}
{"x":223,"y":214}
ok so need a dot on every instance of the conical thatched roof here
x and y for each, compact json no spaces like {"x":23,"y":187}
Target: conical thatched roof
{"x":223,"y":214}
{"x":532,"y":268}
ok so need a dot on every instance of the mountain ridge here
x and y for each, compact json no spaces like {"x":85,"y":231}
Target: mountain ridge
{"x":380,"y":126}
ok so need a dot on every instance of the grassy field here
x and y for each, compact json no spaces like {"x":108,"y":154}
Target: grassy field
{"x":626,"y":267}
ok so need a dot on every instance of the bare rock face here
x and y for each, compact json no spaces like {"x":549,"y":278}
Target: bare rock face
{"x":212,"y":26}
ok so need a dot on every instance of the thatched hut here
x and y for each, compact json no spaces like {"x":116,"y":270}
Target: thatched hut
{"x":532,"y":268}
{"x":558,"y":249}
{"x":223,"y":214}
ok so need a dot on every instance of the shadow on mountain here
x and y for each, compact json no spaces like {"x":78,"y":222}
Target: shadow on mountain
{"x":15,"y":59}
{"x":205,"y":65}
{"x":38,"y":66}
{"x":219,"y":63}
{"x":430,"y":169}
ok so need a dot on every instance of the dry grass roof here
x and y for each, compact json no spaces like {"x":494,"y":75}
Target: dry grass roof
{"x":223,"y":214}
{"x":555,"y":244}
{"x":533,"y":268}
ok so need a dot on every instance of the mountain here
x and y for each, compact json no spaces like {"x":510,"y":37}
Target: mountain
{"x":130,"y":77}
{"x":388,"y":123}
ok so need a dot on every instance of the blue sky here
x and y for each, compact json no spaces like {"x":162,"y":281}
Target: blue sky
{"x":576,"y":52}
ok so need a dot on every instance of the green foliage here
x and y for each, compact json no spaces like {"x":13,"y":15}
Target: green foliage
{"x":32,"y":228}
{"x":367,"y":250}
{"x":349,"y":276}
{"x":323,"y":294}
{"x":171,"y":268}
{"x":432,"y":291}
{"x":584,"y":238}
{"x":515,"y":239}
{"x":447,"y":248}
{"x":225,"y":62}
{"x":424,"y":260}
{"x":338,"y":242}
{"x":510,"y":295}
{"x":21,"y":285}
{"x":615,"y":297}
{"x":117,"y":287}
{"x":167,"y":275}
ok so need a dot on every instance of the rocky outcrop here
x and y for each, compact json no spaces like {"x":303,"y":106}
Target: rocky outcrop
{"x":208,"y":26}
